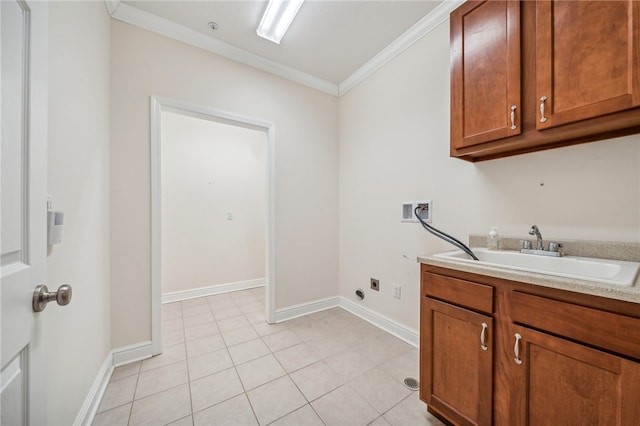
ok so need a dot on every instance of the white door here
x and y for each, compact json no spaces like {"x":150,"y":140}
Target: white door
{"x":23,"y":156}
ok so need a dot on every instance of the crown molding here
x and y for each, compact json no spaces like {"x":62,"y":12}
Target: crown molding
{"x":131,"y":15}
{"x":112,"y":6}
{"x":427,"y":24}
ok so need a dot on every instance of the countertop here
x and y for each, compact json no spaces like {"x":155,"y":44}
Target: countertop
{"x":611,"y":291}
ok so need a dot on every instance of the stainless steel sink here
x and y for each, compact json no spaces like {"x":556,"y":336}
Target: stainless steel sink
{"x":616,"y":272}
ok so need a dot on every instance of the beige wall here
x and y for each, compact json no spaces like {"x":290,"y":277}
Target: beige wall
{"x":78,"y":179}
{"x":306,"y":176}
{"x":208,"y":170}
{"x":394,"y":147}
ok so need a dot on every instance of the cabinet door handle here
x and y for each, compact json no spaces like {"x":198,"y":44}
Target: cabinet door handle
{"x":516,"y":349}
{"x":483,"y":346}
{"x":542,"y":117}
{"x":513,"y":117}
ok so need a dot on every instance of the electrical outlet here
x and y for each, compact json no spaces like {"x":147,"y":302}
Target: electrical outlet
{"x":397,"y":291}
{"x":375,"y":284}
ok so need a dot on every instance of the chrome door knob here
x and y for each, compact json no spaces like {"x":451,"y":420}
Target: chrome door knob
{"x":42,"y":296}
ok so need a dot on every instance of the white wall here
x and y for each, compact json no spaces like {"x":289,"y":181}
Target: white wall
{"x":394,"y":147}
{"x":209,"y":169}
{"x":77,"y":336}
{"x":306,"y":132}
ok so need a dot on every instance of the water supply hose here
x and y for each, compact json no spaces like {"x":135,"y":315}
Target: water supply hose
{"x":442,"y":235}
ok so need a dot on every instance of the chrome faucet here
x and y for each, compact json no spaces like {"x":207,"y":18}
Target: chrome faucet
{"x":535,"y":231}
{"x":554,"y":247}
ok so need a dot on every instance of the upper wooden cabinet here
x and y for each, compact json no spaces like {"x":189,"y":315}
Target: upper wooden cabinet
{"x":485,"y":84}
{"x":527,"y":76}
{"x":586,"y":59}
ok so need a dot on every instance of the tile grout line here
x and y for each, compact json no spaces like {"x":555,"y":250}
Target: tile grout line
{"x":288,"y":374}
{"x":271,"y":352}
{"x":235,"y":369}
{"x":134,"y":393}
{"x":186,"y":356}
{"x":294,"y":384}
{"x":233,"y":365}
{"x":398,"y":403}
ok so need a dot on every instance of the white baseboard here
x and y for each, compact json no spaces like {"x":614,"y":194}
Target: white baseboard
{"x":302,"y":309}
{"x":115,"y":358}
{"x":94,"y":397}
{"x":132,"y":353}
{"x":211,"y":290}
{"x":402,"y":332}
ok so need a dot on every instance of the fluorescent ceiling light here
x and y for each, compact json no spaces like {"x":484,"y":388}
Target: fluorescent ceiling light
{"x":277,"y":19}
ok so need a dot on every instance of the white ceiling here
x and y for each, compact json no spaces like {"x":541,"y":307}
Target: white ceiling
{"x":328,"y":42}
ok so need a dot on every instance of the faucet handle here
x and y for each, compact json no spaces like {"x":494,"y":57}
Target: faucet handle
{"x":554,"y":246}
{"x":525,"y":244}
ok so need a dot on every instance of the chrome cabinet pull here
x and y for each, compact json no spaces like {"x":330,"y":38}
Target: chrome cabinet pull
{"x":513,"y":117}
{"x":516,"y":349}
{"x":542,"y":117}
{"x":483,"y":346}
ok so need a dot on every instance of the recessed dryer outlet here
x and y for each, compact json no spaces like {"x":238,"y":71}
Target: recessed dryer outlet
{"x":375,"y":284}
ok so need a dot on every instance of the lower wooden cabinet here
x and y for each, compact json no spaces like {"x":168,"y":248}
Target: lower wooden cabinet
{"x":556,"y":381}
{"x":498,"y":352}
{"x":460,"y":356}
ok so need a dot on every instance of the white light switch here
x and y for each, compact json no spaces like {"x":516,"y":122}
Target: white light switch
{"x":55,"y":224}
{"x":229,"y":215}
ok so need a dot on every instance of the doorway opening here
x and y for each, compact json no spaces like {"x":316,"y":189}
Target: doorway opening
{"x":212,"y":206}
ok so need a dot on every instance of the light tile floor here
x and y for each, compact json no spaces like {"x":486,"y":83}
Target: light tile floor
{"x":222,"y":364}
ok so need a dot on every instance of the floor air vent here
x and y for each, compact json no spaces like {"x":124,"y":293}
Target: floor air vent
{"x":411,"y":383}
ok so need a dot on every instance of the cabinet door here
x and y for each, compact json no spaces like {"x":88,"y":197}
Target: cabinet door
{"x":587,"y":59}
{"x":485,"y":72}
{"x":562,"y":382}
{"x":456,"y":368}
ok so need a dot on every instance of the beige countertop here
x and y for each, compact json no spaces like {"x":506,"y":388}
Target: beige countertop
{"x":611,"y":291}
